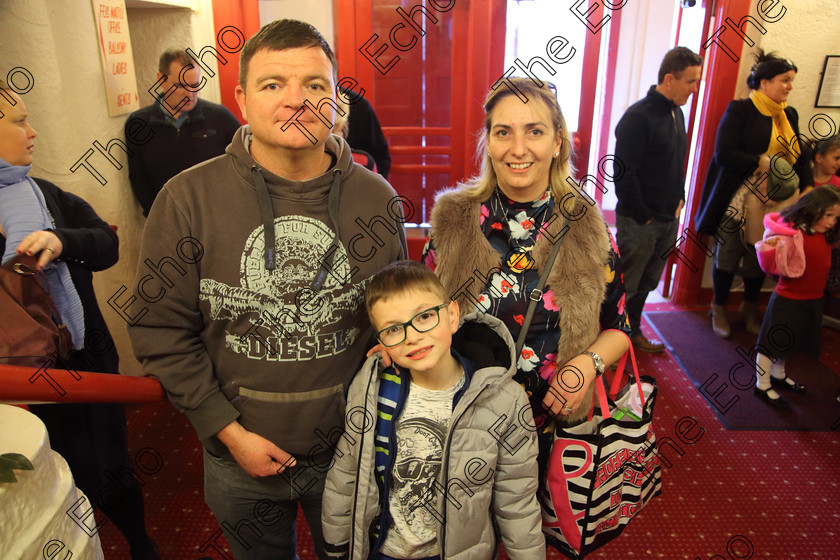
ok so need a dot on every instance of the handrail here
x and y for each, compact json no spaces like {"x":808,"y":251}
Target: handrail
{"x":417,"y":130}
{"x":25,"y":385}
{"x":421,"y":150}
{"x":420,"y":168}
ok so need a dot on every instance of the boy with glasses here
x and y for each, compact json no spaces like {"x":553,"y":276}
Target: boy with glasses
{"x":439,"y":448}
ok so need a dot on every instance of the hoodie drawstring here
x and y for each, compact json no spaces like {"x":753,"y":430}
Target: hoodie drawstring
{"x":267,"y":213}
{"x":270,"y":239}
{"x":327,"y":260}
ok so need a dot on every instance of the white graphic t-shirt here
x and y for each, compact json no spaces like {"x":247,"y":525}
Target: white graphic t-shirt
{"x":420,"y":431}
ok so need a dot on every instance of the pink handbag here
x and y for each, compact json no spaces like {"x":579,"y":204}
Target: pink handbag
{"x":603,"y":471}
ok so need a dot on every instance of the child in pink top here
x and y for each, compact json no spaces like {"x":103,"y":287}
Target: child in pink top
{"x":796,"y":246}
{"x":827,"y":162}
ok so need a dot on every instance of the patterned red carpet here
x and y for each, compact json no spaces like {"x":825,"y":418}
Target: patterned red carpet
{"x":735,"y":494}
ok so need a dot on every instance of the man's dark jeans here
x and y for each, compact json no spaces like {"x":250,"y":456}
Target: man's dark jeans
{"x":258,"y":515}
{"x":642,"y":247}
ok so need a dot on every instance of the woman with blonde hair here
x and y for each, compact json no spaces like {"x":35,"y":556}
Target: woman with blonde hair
{"x":490,"y":240}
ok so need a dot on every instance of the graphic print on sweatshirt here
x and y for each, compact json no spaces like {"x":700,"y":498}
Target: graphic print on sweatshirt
{"x":295,"y":322}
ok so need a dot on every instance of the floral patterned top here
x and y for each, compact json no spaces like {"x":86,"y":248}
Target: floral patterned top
{"x":512,"y":229}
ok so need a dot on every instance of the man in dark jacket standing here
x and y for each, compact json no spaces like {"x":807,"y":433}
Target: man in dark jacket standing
{"x":651,"y":145}
{"x":178,"y":131}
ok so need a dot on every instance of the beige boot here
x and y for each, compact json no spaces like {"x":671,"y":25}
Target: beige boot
{"x":720,"y":324}
{"x":752,"y":316}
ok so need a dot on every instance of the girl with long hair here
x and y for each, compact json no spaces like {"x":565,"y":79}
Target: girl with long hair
{"x":797,"y":246}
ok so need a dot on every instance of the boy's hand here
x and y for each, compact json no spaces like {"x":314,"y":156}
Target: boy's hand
{"x":256,"y":455}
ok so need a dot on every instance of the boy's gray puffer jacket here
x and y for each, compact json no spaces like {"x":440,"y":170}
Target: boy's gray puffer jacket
{"x":489,"y":469}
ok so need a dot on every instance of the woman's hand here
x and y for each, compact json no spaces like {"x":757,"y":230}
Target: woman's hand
{"x":570,"y":385}
{"x":763,"y":164}
{"x":44,"y":242}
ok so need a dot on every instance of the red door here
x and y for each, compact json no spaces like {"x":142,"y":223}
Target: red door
{"x":426,"y":78}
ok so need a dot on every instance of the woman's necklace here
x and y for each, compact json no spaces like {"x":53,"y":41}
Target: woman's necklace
{"x":519,"y":258}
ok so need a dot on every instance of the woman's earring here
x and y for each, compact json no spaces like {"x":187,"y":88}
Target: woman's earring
{"x":557,"y":154}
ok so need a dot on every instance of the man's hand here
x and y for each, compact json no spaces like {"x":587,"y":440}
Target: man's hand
{"x":569,"y":386}
{"x":44,"y":242}
{"x":679,"y":209}
{"x":256,"y":455}
{"x":386,"y":358}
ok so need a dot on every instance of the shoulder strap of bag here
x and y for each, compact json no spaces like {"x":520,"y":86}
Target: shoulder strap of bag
{"x":615,"y":385}
{"x":537,"y":293}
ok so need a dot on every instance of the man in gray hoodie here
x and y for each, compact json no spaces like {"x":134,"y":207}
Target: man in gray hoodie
{"x":253,"y":266}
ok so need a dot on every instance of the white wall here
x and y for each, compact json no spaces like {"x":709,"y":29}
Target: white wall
{"x":645,"y":37}
{"x":808,"y":32}
{"x":57,"y":43}
{"x":155,"y":30}
{"x":318,"y":13}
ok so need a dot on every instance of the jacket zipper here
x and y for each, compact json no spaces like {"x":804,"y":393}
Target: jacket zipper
{"x":674,"y":120}
{"x":358,"y":469}
{"x":445,"y":471}
{"x":384,"y":499}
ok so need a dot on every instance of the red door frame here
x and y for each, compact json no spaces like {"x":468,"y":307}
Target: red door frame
{"x":722,"y":74}
{"x":606,"y":106}
{"x":478,"y":32}
{"x":244,"y":15}
{"x":589,"y":82}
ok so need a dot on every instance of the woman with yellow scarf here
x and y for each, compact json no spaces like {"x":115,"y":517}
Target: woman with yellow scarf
{"x":751,"y":132}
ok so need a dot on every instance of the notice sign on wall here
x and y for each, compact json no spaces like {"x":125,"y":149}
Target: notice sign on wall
{"x":828,"y":94}
{"x":117,"y":60}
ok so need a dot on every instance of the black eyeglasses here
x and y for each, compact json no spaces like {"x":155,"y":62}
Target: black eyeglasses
{"x":422,"y":322}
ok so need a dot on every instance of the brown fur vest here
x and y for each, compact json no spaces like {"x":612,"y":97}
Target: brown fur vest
{"x":465,"y":259}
